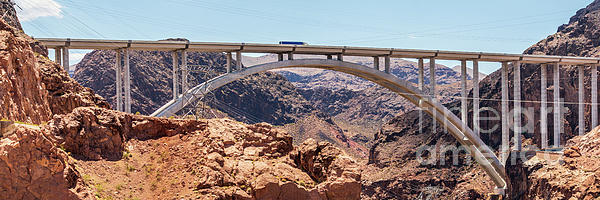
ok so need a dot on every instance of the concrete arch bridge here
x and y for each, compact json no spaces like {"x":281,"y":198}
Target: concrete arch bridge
{"x":423,"y":98}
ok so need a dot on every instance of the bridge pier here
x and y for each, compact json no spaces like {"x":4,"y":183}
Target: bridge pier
{"x":58,"y":56}
{"x":238,"y":59}
{"x":387,"y":64}
{"x":557,"y":109}
{"x":185,"y":71}
{"x":376,"y":62}
{"x":594,"y":93}
{"x":65,"y":58}
{"x":505,"y":131}
{"x":340,"y":57}
{"x":127,"y":81}
{"x":432,"y":89}
{"x":280,"y":57}
{"x":228,"y":65}
{"x":581,"y":92}
{"x":544,"y":106}
{"x":421,"y":83}
{"x":175,"y":74}
{"x":119,"y":80}
{"x":463,"y":91}
{"x":475,"y":80}
{"x":329,"y":57}
{"x":290,"y":56}
{"x":517,"y":112}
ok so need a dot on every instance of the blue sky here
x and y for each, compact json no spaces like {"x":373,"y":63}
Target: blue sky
{"x":508,"y":26}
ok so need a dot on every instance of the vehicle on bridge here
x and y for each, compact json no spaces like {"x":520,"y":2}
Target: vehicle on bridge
{"x":293,"y":43}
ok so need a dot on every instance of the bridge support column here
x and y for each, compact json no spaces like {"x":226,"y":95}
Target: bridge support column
{"x":58,"y":56}
{"x":228,"y":66}
{"x":387,"y":64}
{"x":517,"y":105}
{"x":340,"y":57}
{"x":175,"y":74}
{"x":185,"y":72}
{"x":557,"y":108}
{"x":290,"y":56}
{"x":376,"y":63}
{"x":421,"y":83}
{"x":127,"y":81}
{"x":544,"y":107}
{"x":594,"y":93}
{"x":65,"y":59}
{"x":505,"y":131}
{"x":329,"y":57}
{"x":432,"y":90}
{"x":463,"y":92}
{"x":119,"y":81}
{"x":581,"y":92}
{"x":475,"y":80}
{"x":238,"y":59}
{"x":280,"y":57}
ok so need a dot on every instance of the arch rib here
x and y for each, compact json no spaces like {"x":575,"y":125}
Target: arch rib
{"x":478,"y":149}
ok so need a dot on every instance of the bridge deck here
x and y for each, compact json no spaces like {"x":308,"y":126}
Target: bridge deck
{"x":311,"y":49}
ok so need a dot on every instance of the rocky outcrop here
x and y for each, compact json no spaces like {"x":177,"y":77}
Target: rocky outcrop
{"x":214,"y":159}
{"x":9,"y":14}
{"x":336,"y":173}
{"x":22,"y":94}
{"x":577,"y":38}
{"x":33,"y":88}
{"x":572,"y":175}
{"x":96,"y":133}
{"x":64,"y":93}
{"x":32,"y":167}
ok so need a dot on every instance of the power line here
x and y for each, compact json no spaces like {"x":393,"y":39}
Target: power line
{"x":455,"y":26}
{"x":163,"y":21}
{"x":454,"y":36}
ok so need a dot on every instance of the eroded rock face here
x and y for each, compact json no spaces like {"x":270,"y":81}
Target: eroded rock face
{"x":10,"y":15}
{"x":206,"y":159}
{"x":32,"y":167}
{"x":22,"y":96}
{"x":574,"y":175}
{"x":97,"y":133}
{"x":33,"y":88}
{"x":328,"y":165}
{"x":64,"y":93}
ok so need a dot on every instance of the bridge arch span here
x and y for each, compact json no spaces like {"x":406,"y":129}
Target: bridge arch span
{"x":459,"y":130}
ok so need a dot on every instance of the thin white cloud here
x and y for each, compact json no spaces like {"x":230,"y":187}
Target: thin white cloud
{"x":75,"y":58}
{"x":33,"y":9}
{"x":413,"y":36}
